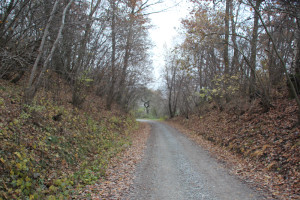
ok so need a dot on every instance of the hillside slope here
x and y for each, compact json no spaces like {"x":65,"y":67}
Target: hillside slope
{"x":50,"y":147}
{"x":265,"y":146}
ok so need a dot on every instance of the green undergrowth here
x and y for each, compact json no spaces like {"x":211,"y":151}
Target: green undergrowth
{"x":49,"y":150}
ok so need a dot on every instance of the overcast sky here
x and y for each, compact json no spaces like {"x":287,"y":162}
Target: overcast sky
{"x":164,"y":31}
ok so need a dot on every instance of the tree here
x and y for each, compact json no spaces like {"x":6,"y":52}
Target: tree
{"x":16,"y":47}
{"x":291,"y":84}
{"x":96,"y":44}
{"x":216,"y":36}
{"x":226,"y":42}
{"x":253,"y":52}
{"x":173,"y":82}
{"x":32,"y":87}
{"x":78,"y":69}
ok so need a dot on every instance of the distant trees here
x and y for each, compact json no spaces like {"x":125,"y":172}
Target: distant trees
{"x":100,"y":44}
{"x":173,"y":84}
{"x":152,"y":104}
{"x":179,"y":85}
{"x":234,"y":50}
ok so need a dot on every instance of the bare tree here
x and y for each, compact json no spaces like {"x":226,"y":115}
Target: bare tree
{"x":281,"y":59}
{"x":32,"y":87}
{"x":252,"y":84}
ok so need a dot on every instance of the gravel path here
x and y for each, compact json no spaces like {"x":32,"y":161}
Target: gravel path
{"x":174,"y":167}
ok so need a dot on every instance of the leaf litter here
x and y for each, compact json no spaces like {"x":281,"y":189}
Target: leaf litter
{"x":261,"y":148}
{"x":120,"y":172}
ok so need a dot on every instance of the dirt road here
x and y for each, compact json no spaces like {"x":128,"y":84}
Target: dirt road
{"x":176,"y":168}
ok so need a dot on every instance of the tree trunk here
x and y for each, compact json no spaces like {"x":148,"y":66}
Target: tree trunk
{"x":32,"y":88}
{"x":297,"y":46}
{"x":84,"y":41}
{"x":122,"y":84}
{"x":282,"y":62}
{"x":111,"y":91}
{"x":234,"y":63}
{"x":252,"y":84}
{"x":171,"y":112}
{"x":77,"y":87}
{"x":225,"y":55}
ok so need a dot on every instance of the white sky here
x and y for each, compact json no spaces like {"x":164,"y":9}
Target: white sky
{"x":164,"y":32}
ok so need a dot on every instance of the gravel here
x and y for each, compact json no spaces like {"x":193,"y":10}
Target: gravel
{"x":174,"y":167}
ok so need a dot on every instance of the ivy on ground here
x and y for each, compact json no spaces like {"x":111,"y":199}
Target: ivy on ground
{"x":47,"y":149}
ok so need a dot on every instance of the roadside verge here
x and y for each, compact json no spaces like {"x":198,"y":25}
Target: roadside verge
{"x":247,"y":170}
{"x":120,"y":172}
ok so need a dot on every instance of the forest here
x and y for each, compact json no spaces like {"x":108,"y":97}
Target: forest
{"x":75,"y":74}
{"x":234,"y":81}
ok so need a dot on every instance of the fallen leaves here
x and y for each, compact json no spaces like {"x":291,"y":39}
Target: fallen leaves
{"x":261,"y":148}
{"x":120,"y":172}
{"x":37,"y":150}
